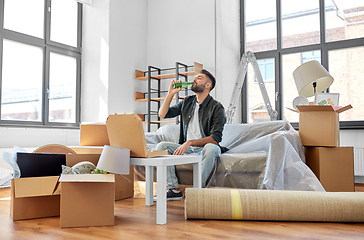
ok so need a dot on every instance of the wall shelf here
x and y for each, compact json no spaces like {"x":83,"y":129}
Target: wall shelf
{"x":140,"y":97}
{"x":140,"y":75}
{"x":156,"y":95}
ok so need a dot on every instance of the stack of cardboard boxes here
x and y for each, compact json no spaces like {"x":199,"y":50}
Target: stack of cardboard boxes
{"x":80,"y":200}
{"x":320,"y":134}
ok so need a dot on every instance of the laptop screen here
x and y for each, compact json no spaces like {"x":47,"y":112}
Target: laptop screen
{"x":40,"y":164}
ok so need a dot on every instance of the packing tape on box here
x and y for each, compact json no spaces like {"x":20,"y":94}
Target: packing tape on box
{"x":273,"y":205}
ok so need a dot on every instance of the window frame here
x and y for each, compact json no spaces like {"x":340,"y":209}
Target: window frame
{"x":47,"y":46}
{"x":277,"y":54}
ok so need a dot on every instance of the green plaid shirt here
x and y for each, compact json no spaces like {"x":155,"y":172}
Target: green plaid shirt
{"x":211,"y":116}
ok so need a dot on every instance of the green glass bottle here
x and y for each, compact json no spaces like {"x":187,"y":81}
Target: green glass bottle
{"x":181,"y":84}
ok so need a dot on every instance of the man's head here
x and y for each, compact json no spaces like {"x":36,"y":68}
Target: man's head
{"x":203,"y":79}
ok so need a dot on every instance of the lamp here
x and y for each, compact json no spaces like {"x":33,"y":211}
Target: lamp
{"x":311,"y":77}
{"x":114,"y":160}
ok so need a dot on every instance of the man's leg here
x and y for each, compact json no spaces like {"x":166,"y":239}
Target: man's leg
{"x":210,"y":153}
{"x":172,"y":179}
{"x":173,"y":188}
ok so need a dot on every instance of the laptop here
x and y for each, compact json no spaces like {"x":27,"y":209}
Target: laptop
{"x":126,"y":131}
{"x":40,"y":164}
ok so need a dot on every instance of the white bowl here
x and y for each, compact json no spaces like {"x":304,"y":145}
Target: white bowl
{"x":300,"y":100}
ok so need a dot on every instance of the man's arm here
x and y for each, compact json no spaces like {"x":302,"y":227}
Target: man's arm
{"x":194,"y":143}
{"x":163,"y":110}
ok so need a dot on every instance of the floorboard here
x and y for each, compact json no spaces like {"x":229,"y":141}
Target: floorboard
{"x":134,"y":220}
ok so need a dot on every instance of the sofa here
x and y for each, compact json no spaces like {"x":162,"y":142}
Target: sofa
{"x":266,"y":155}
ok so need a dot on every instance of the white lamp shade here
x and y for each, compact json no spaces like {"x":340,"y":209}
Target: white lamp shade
{"x":308,"y":73}
{"x":114,"y":160}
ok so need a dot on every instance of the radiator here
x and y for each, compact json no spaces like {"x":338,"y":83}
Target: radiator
{"x":4,"y":172}
{"x":358,"y":161}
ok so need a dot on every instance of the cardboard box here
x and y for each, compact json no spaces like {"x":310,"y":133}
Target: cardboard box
{"x":334,"y":167}
{"x":124,"y":184}
{"x":93,"y":134}
{"x":319,"y":125}
{"x":36,"y":197}
{"x":87,"y":200}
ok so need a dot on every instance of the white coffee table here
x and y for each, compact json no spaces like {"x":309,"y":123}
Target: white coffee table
{"x":161,"y":163}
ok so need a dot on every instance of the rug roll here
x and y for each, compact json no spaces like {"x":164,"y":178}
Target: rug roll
{"x":273,"y":205}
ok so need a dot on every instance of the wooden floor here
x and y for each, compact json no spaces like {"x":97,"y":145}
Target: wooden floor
{"x":135,"y":221}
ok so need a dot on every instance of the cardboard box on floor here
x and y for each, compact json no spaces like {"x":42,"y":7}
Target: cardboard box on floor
{"x":319,"y":125}
{"x":93,"y":134}
{"x":87,"y":200}
{"x":36,"y":197}
{"x":334,"y":167}
{"x":124,"y":184}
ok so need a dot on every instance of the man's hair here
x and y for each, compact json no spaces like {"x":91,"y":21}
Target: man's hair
{"x":210,"y":76}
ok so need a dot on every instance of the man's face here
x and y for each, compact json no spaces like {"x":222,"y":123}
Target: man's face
{"x":199,"y":83}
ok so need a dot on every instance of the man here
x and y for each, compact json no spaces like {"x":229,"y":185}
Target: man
{"x":202,"y":123}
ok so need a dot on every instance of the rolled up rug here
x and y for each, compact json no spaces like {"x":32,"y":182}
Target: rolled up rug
{"x":273,"y":205}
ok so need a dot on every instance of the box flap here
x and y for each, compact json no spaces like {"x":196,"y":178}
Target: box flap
{"x":34,"y":187}
{"x":325,"y":108}
{"x":293,"y":110}
{"x":72,"y":159}
{"x":126,"y":131}
{"x":343,"y":109}
{"x":87,"y":178}
{"x":87,"y":149}
{"x":312,"y":108}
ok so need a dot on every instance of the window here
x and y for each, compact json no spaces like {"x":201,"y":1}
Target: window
{"x":257,"y":110}
{"x":311,"y":55}
{"x":40,"y":55}
{"x":266,"y":68}
{"x":328,"y":31}
{"x":261,"y":25}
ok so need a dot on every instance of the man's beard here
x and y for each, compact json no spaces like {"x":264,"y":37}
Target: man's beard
{"x":198,"y":88}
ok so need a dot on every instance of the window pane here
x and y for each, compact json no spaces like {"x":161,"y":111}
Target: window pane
{"x":300,"y":23}
{"x":21,"y":96}
{"x":269,"y":71}
{"x":290,"y":63}
{"x":346,"y":67}
{"x":64,"y":22}
{"x":257,"y":110}
{"x":344,"y":19}
{"x":25,"y":16}
{"x":261,"y":26}
{"x":62,"y":88}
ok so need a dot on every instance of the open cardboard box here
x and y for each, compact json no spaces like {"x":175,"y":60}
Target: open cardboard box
{"x":87,"y":200}
{"x":36,"y":197}
{"x":319,"y":125}
{"x":124,"y":184}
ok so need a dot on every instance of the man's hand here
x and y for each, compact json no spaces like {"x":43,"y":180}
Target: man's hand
{"x":172,"y":90}
{"x":194,"y":143}
{"x":182,"y":149}
{"x":167,"y":101}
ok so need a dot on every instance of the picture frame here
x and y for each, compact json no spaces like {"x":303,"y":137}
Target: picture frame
{"x":327,"y":99}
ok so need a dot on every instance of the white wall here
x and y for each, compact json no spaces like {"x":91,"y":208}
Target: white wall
{"x":203,"y":31}
{"x":95,"y":61}
{"x":114,"y":45}
{"x":128,"y":51}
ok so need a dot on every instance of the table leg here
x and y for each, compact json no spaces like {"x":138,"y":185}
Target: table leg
{"x":149,"y":185}
{"x":161,"y":195}
{"x":197,"y":175}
